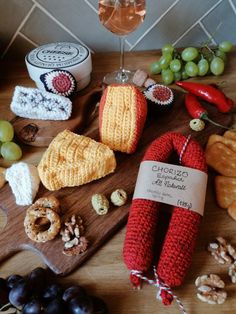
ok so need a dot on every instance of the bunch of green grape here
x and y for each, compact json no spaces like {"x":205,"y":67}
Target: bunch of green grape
{"x":8,"y":149}
{"x":176,"y":65}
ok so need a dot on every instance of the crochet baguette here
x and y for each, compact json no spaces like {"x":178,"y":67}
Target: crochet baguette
{"x":179,"y":243}
{"x":73,"y":160}
{"x":122,"y":115}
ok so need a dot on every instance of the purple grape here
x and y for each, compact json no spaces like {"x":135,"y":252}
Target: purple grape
{"x":37,"y":280}
{"x":4,"y":290}
{"x":80,"y":305}
{"x":54,"y":307}
{"x":72,"y":292}
{"x":32,"y":307}
{"x":99,"y":306}
{"x":52,"y":291}
{"x":12,"y":280}
{"x":19,"y":294}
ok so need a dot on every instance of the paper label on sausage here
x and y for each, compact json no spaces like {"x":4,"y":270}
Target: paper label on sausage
{"x":171,"y":184}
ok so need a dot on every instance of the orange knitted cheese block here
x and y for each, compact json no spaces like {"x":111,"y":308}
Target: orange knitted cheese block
{"x":122,"y":115}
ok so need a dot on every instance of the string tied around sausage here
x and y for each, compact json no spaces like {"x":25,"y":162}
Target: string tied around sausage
{"x":164,"y":293}
{"x":184,"y":148}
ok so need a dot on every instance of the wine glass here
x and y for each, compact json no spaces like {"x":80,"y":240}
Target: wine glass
{"x":121,"y":17}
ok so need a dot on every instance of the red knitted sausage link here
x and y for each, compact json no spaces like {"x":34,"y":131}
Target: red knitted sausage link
{"x":181,"y":236}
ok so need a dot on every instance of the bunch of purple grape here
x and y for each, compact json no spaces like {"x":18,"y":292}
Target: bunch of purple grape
{"x":40,"y":293}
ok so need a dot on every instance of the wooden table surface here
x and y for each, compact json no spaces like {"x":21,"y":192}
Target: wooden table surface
{"x":105,"y":274}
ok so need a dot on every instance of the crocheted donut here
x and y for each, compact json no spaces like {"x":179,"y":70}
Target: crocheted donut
{"x":122,"y":115}
{"x":179,"y":243}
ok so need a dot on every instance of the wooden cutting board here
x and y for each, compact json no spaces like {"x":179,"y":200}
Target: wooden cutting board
{"x":77,"y":200}
{"x":41,"y":132}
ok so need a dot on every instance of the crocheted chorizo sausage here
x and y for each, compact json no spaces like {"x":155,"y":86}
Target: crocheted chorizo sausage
{"x":180,"y":239}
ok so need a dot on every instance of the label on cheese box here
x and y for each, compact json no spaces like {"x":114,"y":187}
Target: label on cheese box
{"x":171,"y":184}
{"x":58,"y":55}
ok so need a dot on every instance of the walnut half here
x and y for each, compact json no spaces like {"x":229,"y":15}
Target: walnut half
{"x":74,"y":243}
{"x":211,"y":289}
{"x":222,"y":251}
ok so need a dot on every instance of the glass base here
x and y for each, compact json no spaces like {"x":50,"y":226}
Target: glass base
{"x":119,"y":77}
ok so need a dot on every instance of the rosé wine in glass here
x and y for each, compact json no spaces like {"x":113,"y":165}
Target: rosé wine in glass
{"x":121,"y":17}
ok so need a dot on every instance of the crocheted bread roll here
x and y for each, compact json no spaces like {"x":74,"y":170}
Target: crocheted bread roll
{"x":122,"y":115}
{"x":73,"y":160}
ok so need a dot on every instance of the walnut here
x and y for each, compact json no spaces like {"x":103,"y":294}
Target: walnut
{"x":232,"y":272}
{"x":222,"y":251}
{"x":211,"y":289}
{"x":71,"y":236}
{"x":81,"y":247}
{"x":71,"y":243}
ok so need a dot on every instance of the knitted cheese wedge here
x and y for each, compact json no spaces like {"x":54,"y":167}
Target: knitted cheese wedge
{"x":24,"y":181}
{"x":73,"y":160}
{"x":180,"y":239}
{"x":122,"y":115}
{"x":33,"y":103}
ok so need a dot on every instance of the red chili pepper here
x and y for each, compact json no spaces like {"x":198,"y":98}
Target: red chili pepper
{"x":196,"y":110}
{"x":208,"y":93}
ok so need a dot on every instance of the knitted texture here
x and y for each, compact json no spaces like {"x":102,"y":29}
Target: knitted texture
{"x":73,"y":160}
{"x":33,"y":103}
{"x":122,"y":115}
{"x":179,"y":243}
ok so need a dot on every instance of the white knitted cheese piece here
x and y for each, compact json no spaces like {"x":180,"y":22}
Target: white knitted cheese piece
{"x":34,"y":103}
{"x":24,"y":181}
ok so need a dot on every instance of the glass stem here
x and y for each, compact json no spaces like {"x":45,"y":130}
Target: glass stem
{"x":122,"y":76}
{"x":122,"y":45}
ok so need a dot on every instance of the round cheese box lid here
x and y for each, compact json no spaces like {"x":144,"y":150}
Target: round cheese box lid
{"x":71,"y":57}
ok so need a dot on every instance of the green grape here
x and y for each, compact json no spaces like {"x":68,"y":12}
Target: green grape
{"x":11,"y":151}
{"x":191,"y":69}
{"x":177,"y":76}
{"x":167,"y":48}
{"x":225,"y":46}
{"x":6,"y":131}
{"x":203,"y":67}
{"x":221,"y":54}
{"x":184,"y":75}
{"x":189,"y":54}
{"x":167,"y":76}
{"x":155,"y":67}
{"x":208,"y":56}
{"x":165,"y":61}
{"x":175,"y":65}
{"x":217,"y":66}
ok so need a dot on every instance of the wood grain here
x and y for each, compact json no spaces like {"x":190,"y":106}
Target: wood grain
{"x":104,"y":273}
{"x":78,"y":200}
{"x":41,"y":132}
